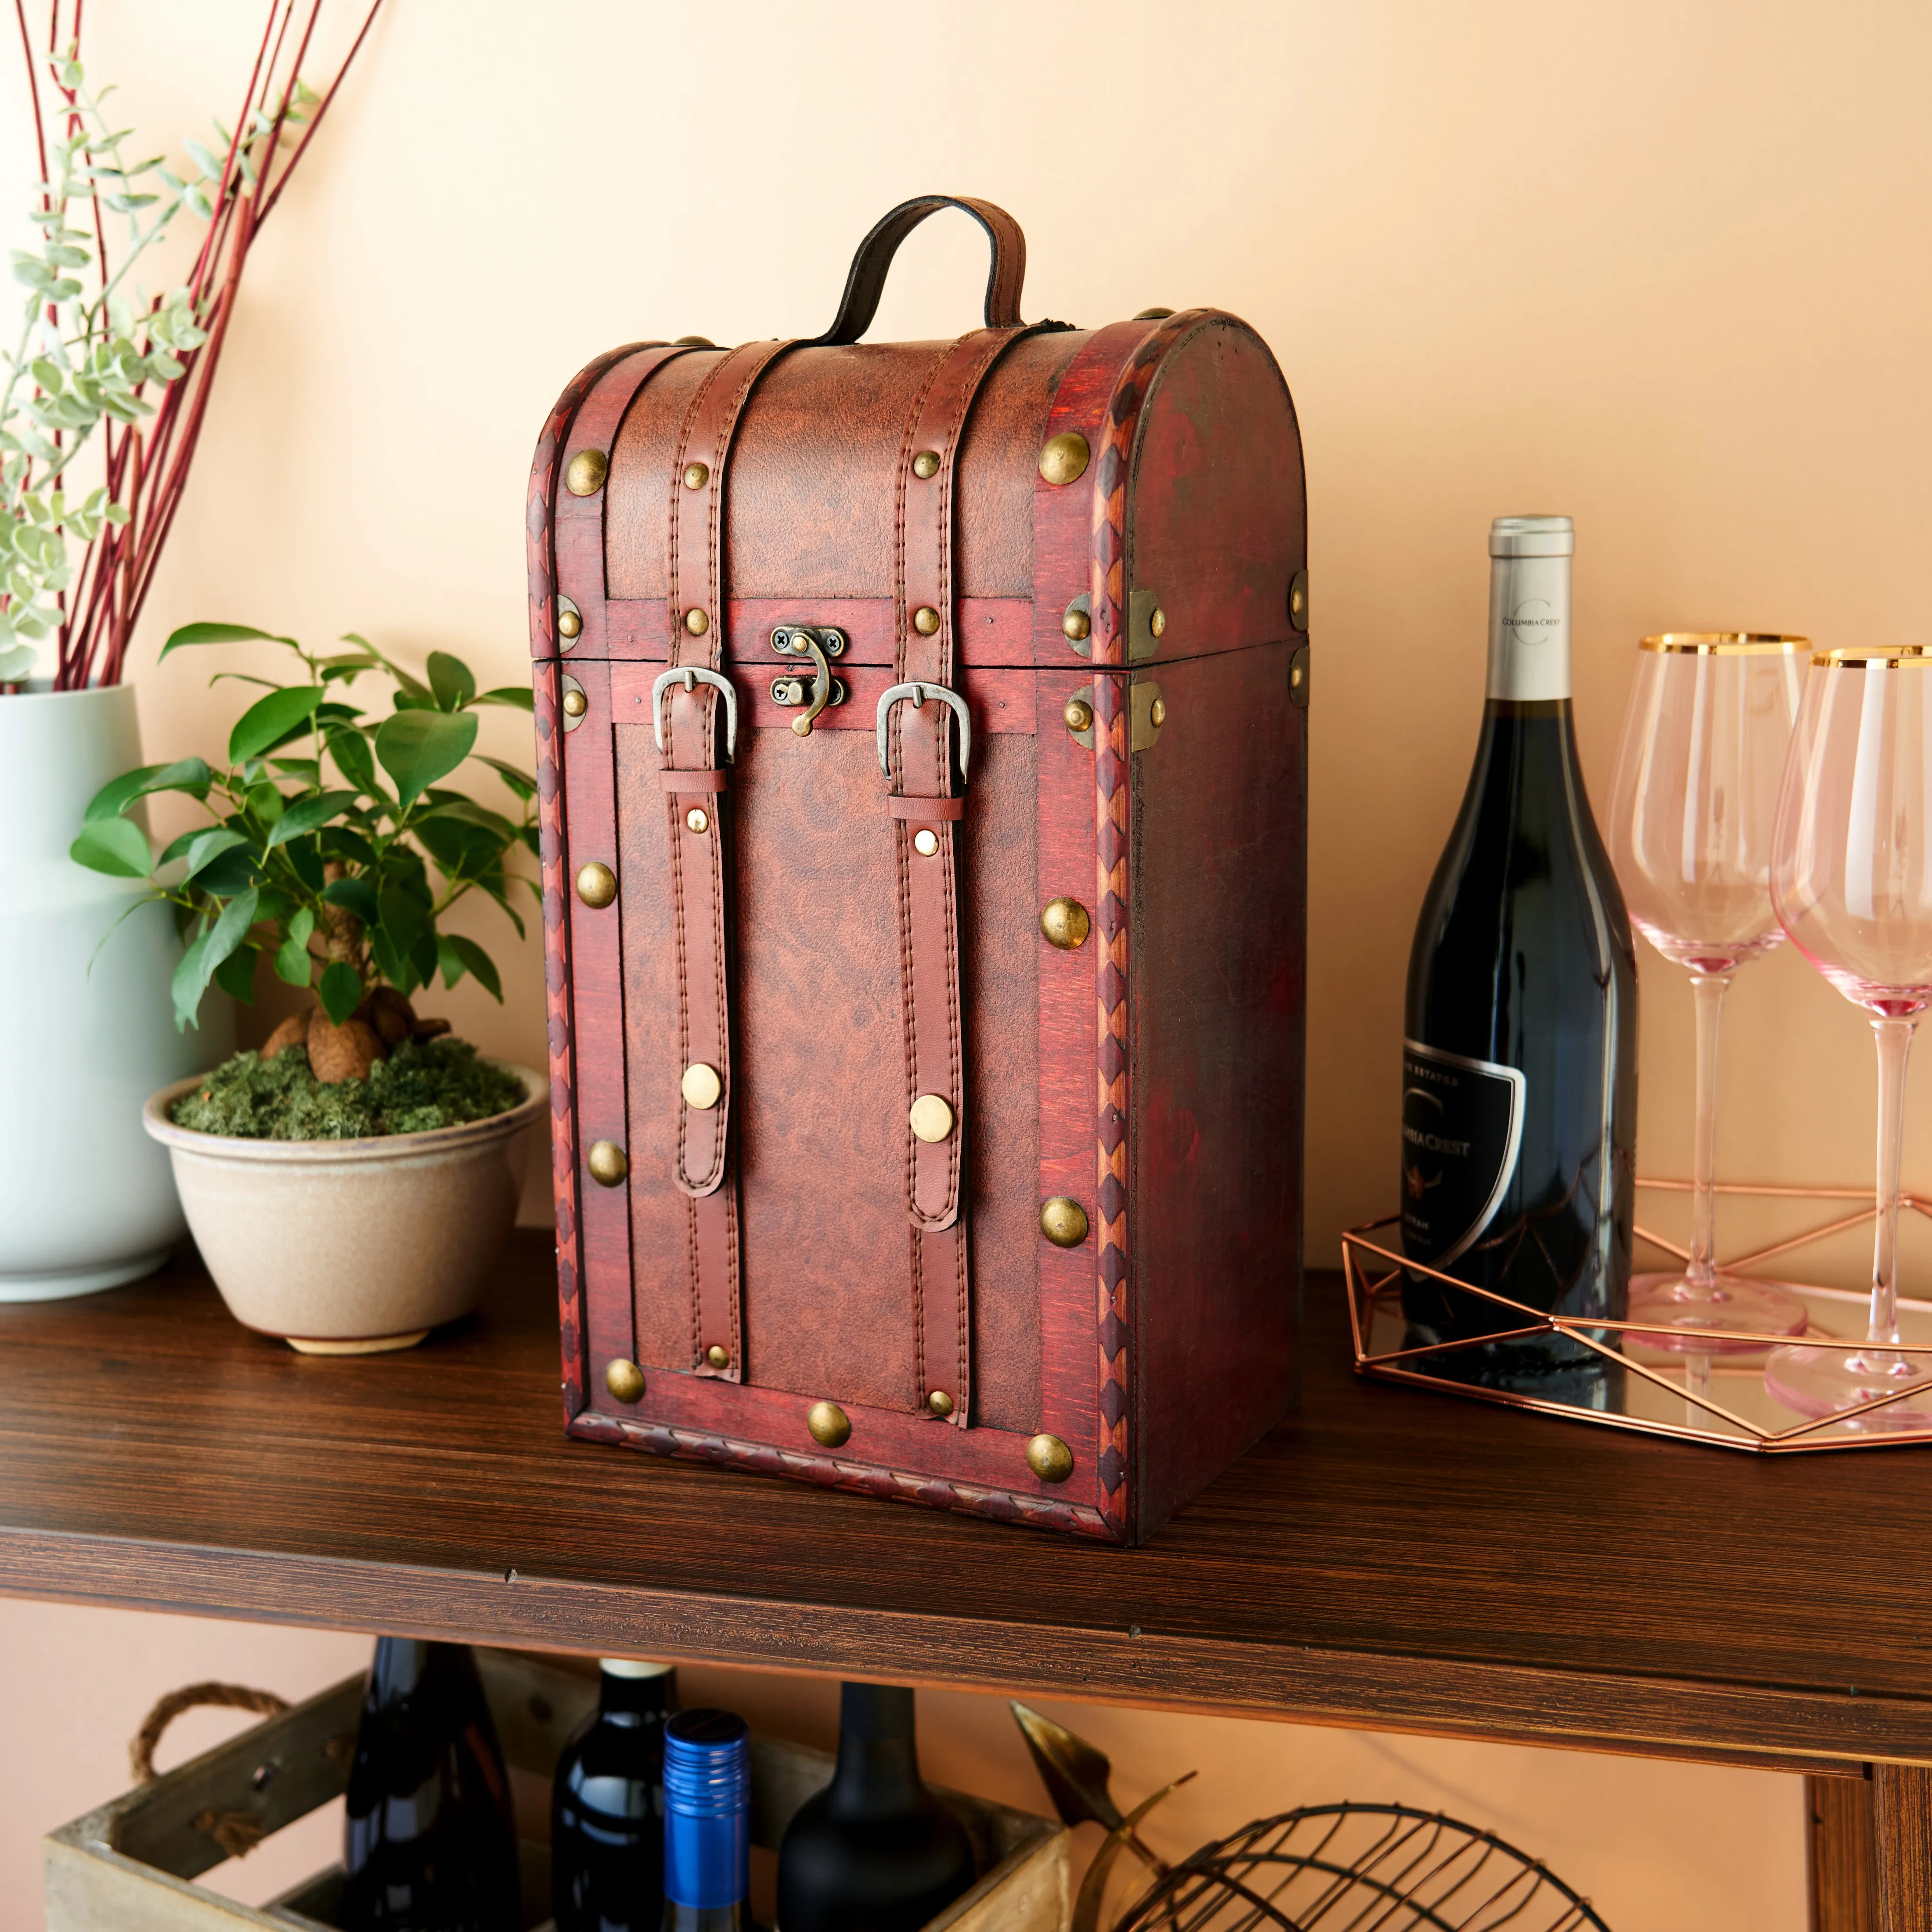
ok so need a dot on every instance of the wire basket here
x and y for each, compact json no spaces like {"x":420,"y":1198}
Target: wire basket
{"x":1359,"y":1868}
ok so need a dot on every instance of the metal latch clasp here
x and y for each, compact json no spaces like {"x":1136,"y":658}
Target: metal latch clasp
{"x":821,"y":643}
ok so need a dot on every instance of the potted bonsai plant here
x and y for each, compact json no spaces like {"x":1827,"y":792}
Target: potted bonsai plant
{"x":349,"y":1185}
{"x":102,"y":391}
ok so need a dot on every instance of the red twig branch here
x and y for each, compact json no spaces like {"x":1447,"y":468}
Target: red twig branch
{"x":146,"y":465}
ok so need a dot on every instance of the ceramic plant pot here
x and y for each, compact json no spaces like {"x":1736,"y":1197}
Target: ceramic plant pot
{"x":87,"y":1025}
{"x":349,"y":1247}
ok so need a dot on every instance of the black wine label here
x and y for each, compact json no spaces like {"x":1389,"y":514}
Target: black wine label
{"x":1461,"y":1131}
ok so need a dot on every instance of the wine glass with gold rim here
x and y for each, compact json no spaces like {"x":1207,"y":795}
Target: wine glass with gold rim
{"x":1852,"y":881}
{"x":1699,"y":767}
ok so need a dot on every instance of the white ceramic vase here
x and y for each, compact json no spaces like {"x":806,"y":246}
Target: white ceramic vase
{"x":87,"y":1028}
{"x":350,"y":1247}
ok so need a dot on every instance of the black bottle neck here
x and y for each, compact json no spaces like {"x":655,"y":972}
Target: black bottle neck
{"x":628,"y":1698}
{"x":407,"y":1667}
{"x":878,"y":1753}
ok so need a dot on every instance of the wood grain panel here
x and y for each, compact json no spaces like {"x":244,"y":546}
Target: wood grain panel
{"x":1841,"y":1871}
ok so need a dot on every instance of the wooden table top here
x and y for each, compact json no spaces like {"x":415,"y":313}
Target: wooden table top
{"x":1384,"y":1558}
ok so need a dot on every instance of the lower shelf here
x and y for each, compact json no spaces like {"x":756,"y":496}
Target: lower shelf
{"x":131,"y":1865}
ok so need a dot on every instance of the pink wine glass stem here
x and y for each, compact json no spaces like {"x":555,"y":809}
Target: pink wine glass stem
{"x":1894,"y":1046}
{"x":1710,"y":989}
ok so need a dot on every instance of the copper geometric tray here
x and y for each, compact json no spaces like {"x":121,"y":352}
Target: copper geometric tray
{"x":1635,"y":1381}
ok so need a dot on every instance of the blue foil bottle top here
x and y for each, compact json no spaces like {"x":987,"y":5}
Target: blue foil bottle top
{"x":707,"y":1788}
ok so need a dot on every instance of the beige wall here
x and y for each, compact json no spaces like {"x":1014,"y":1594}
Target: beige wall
{"x":1658,"y":264}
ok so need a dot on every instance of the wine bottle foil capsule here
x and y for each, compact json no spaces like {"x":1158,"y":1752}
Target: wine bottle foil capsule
{"x":707,"y":1788}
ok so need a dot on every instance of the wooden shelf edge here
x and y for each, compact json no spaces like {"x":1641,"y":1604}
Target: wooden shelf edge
{"x":1788,"y":1729}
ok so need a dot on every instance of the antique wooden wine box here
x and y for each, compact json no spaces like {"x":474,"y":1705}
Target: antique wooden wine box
{"x":923,"y":732}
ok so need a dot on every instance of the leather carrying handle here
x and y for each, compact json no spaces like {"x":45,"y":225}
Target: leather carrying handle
{"x":867,"y":281}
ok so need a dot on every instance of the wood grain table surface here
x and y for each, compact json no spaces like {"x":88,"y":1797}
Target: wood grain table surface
{"x":1383,"y":1558}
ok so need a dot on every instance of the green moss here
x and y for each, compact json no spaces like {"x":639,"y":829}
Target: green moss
{"x":436,"y":1083}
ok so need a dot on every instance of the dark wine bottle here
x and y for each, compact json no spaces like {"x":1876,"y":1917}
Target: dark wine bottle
{"x":707,"y":1823}
{"x":874,"y":1851}
{"x":606,"y":1806}
{"x":1518,"y":1109}
{"x":431,"y":1844}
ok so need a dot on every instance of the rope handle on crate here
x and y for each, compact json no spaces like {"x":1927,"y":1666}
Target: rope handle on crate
{"x":237,"y":1833}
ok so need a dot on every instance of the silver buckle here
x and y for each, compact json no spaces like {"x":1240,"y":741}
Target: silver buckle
{"x":691,"y":677}
{"x":916,"y":695}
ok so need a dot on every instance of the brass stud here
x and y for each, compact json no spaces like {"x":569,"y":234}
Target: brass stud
{"x":698,"y":819}
{"x":926,"y":620}
{"x":700,"y":1087}
{"x":694,"y":342}
{"x":575,"y":704}
{"x":1157,"y":712}
{"x":1157,"y":623}
{"x":1064,"y":459}
{"x":1076,"y":624}
{"x":585,"y":476}
{"x":931,"y":1119}
{"x":596,"y":885}
{"x":624,"y":1380}
{"x":830,"y":1427}
{"x":939,"y":1403}
{"x":696,"y":476}
{"x":568,"y":624}
{"x":1297,"y":600}
{"x":1049,"y":1458}
{"x":1152,"y":314}
{"x":1064,"y":923}
{"x":697,"y":622}
{"x":717,"y":1357}
{"x":1079,"y":714}
{"x":925,"y":841}
{"x":608,"y":1165}
{"x":926,"y":464}
{"x":1064,"y":1222}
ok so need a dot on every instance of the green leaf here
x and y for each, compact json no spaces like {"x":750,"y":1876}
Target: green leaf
{"x":113,"y":845}
{"x":199,"y":962}
{"x":392,"y":961}
{"x":479,"y":963}
{"x":306,"y":815}
{"x":236,"y":975}
{"x":404,"y":917}
{"x":222,"y":633}
{"x":355,"y":896}
{"x":452,"y":680}
{"x":519,"y":780}
{"x":349,"y":748}
{"x":514,"y":695}
{"x":344,"y":842}
{"x":340,"y":990}
{"x":417,"y":748}
{"x":292,"y":962}
{"x":301,"y":924}
{"x":448,"y":960}
{"x":116,"y":793}
{"x":205,"y":847}
{"x":266,"y":802}
{"x":267,"y":721}
{"x":229,"y":873}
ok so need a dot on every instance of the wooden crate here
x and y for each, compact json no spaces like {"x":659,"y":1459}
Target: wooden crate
{"x":131,"y":1866}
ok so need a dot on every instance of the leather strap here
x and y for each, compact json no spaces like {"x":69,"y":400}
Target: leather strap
{"x":924,"y":808}
{"x":697,"y":826}
{"x":867,"y":280}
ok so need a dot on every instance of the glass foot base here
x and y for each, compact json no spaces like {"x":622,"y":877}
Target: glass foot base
{"x":1823,"y":1382}
{"x":1690,"y":1309}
